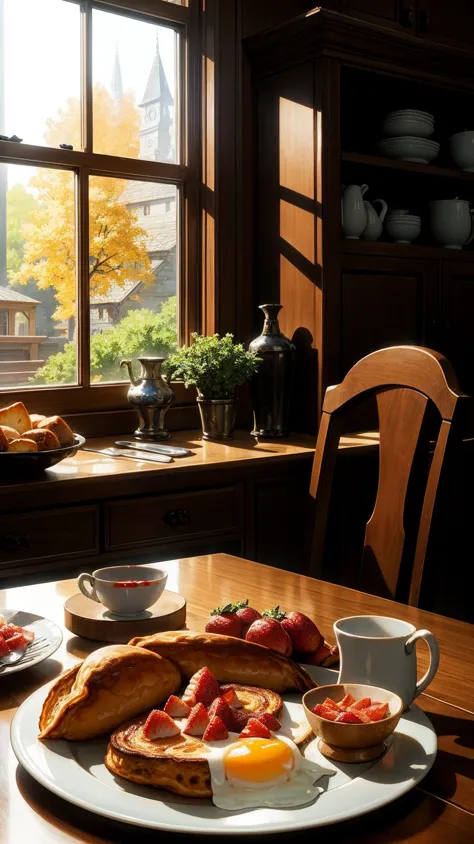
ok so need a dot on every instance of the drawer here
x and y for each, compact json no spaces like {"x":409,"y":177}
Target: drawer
{"x":161,"y":518}
{"x":44,"y":535}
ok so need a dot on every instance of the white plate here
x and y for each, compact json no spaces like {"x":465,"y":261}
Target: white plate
{"x":41,"y":627}
{"x":76,"y":772}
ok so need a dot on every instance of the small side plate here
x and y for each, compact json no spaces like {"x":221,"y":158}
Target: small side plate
{"x":42,"y":628}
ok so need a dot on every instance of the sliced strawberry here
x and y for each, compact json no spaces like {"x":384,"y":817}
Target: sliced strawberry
{"x":216,"y":731}
{"x":159,"y":725}
{"x":28,"y":634}
{"x":176,"y":708}
{"x":362,"y":715}
{"x":230,"y":696}
{"x":269,"y":720}
{"x":349,"y":718}
{"x":346,"y":701}
{"x":362,"y":703}
{"x":197,"y":722}
{"x":18,"y":640}
{"x":234,"y":719}
{"x":202,"y":688}
{"x":327,"y":712}
{"x":330,"y":702}
{"x":376,"y":713}
{"x":255,"y":729}
{"x":9,"y":630}
{"x":4,"y":649}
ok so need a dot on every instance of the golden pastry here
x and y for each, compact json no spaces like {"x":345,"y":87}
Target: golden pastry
{"x":112,"y":684}
{"x":231,"y":660}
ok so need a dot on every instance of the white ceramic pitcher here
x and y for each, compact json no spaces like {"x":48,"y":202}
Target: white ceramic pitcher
{"x":374,"y":226}
{"x":353,"y":211}
{"x":381,"y":651}
{"x":451,"y":222}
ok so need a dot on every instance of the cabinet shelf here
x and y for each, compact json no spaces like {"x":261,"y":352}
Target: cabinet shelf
{"x":407,"y":166}
{"x":404,"y":250}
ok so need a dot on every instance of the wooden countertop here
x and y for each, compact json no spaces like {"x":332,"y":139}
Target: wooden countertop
{"x":440,"y":809}
{"x":95,"y":476}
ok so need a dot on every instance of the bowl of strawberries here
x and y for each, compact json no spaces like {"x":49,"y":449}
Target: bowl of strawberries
{"x":353,"y":721}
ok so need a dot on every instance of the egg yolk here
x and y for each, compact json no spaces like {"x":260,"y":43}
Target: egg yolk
{"x":258,"y":760}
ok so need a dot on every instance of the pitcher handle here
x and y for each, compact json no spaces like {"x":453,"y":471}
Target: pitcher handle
{"x":434,"y":657}
{"x":128,"y":364}
{"x":384,"y":208}
{"x":89,"y":593}
{"x":364,"y":189}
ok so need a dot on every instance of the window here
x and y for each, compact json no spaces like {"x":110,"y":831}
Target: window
{"x":91,"y":269}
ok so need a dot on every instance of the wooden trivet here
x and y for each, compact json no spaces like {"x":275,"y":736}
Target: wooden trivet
{"x":85,"y":617}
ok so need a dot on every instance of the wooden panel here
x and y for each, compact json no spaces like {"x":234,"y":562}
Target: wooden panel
{"x":143,"y":521}
{"x":50,"y":534}
{"x":449,"y":22}
{"x":281,"y":521}
{"x":385,"y":11}
{"x":296,"y":146}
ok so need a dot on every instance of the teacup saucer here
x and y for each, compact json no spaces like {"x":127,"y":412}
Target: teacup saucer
{"x":114,"y":616}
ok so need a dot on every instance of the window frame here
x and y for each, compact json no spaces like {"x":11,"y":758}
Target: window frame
{"x":85,"y":397}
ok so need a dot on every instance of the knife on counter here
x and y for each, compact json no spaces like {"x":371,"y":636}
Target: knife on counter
{"x":154,"y":448}
{"x":123,"y":452}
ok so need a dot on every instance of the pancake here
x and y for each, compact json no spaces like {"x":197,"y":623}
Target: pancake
{"x":178,"y":763}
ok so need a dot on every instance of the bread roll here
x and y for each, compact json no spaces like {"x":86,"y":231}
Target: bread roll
{"x":59,"y":427}
{"x":10,"y":433}
{"x":22,"y":444}
{"x":44,"y":438}
{"x":231,"y":660}
{"x":3,"y":441}
{"x":112,"y":684}
{"x":16,"y":416}
{"x":36,"y":418}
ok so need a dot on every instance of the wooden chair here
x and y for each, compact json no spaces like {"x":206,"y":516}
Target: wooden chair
{"x":408,"y":382}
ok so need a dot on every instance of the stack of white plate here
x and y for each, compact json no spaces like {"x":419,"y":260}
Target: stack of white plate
{"x":420,"y":150}
{"x":402,"y":227}
{"x":408,"y":123}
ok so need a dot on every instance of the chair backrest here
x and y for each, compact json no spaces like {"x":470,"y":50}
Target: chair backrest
{"x":407,"y":382}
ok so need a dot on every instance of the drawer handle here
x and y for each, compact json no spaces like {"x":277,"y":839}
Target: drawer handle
{"x":177,"y":518}
{"x":15,"y":542}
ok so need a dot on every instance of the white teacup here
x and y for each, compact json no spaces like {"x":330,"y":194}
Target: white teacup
{"x":124,"y":590}
{"x":381,"y":651}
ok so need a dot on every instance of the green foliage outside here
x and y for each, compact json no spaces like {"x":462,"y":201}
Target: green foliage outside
{"x":140,"y":333}
{"x":214,"y":365}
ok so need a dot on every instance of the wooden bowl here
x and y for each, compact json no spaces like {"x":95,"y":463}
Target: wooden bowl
{"x":352,"y":742}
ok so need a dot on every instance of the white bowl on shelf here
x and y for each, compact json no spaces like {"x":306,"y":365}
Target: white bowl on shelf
{"x":419,"y":150}
{"x":412,"y":112}
{"x":402,"y":229}
{"x":461,"y":148}
{"x":407,"y":124}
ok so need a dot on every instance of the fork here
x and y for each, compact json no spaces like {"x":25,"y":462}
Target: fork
{"x":33,"y":650}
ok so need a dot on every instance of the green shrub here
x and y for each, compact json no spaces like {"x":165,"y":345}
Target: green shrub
{"x":140,"y":333}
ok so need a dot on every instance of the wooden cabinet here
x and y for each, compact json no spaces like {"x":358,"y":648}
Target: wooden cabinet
{"x":164,"y":518}
{"x":448,"y":22}
{"x":394,"y":13}
{"x":456,"y":314}
{"x":385,"y":303}
{"x":51,"y":535}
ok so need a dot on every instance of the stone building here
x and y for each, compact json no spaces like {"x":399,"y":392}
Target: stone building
{"x":155,"y":206}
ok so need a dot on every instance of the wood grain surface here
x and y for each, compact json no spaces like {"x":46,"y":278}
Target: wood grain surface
{"x":441,"y":809}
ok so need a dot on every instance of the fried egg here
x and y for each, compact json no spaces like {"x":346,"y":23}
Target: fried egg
{"x":251,"y":772}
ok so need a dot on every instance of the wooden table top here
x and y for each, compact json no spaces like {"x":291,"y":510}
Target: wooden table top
{"x":440,"y":809}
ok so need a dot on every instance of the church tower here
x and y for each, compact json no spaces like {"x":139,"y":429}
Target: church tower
{"x":116,"y":87}
{"x":155,"y":130}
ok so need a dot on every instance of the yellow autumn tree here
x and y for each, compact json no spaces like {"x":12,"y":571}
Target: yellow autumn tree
{"x":117,"y":243}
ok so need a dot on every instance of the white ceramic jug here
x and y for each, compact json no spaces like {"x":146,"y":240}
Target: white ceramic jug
{"x":381,"y":651}
{"x":451,"y":222}
{"x":374,"y":226}
{"x":353,"y":211}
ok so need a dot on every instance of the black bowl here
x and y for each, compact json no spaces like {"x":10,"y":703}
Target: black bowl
{"x":14,"y":464}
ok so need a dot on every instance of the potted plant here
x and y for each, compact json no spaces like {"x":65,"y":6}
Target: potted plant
{"x":215,"y":366}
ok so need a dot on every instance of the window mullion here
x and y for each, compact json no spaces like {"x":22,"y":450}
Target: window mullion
{"x":86,"y":75}
{"x":83,"y":252}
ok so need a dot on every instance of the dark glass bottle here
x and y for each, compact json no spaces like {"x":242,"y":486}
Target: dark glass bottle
{"x":271,"y":385}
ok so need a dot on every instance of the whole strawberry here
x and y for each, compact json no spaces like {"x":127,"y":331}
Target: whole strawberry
{"x":304,"y":634}
{"x":225,"y":621}
{"x":270,"y":633}
{"x":246,"y":614}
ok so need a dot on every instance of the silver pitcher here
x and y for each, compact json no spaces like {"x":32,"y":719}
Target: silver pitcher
{"x":151,"y":397}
